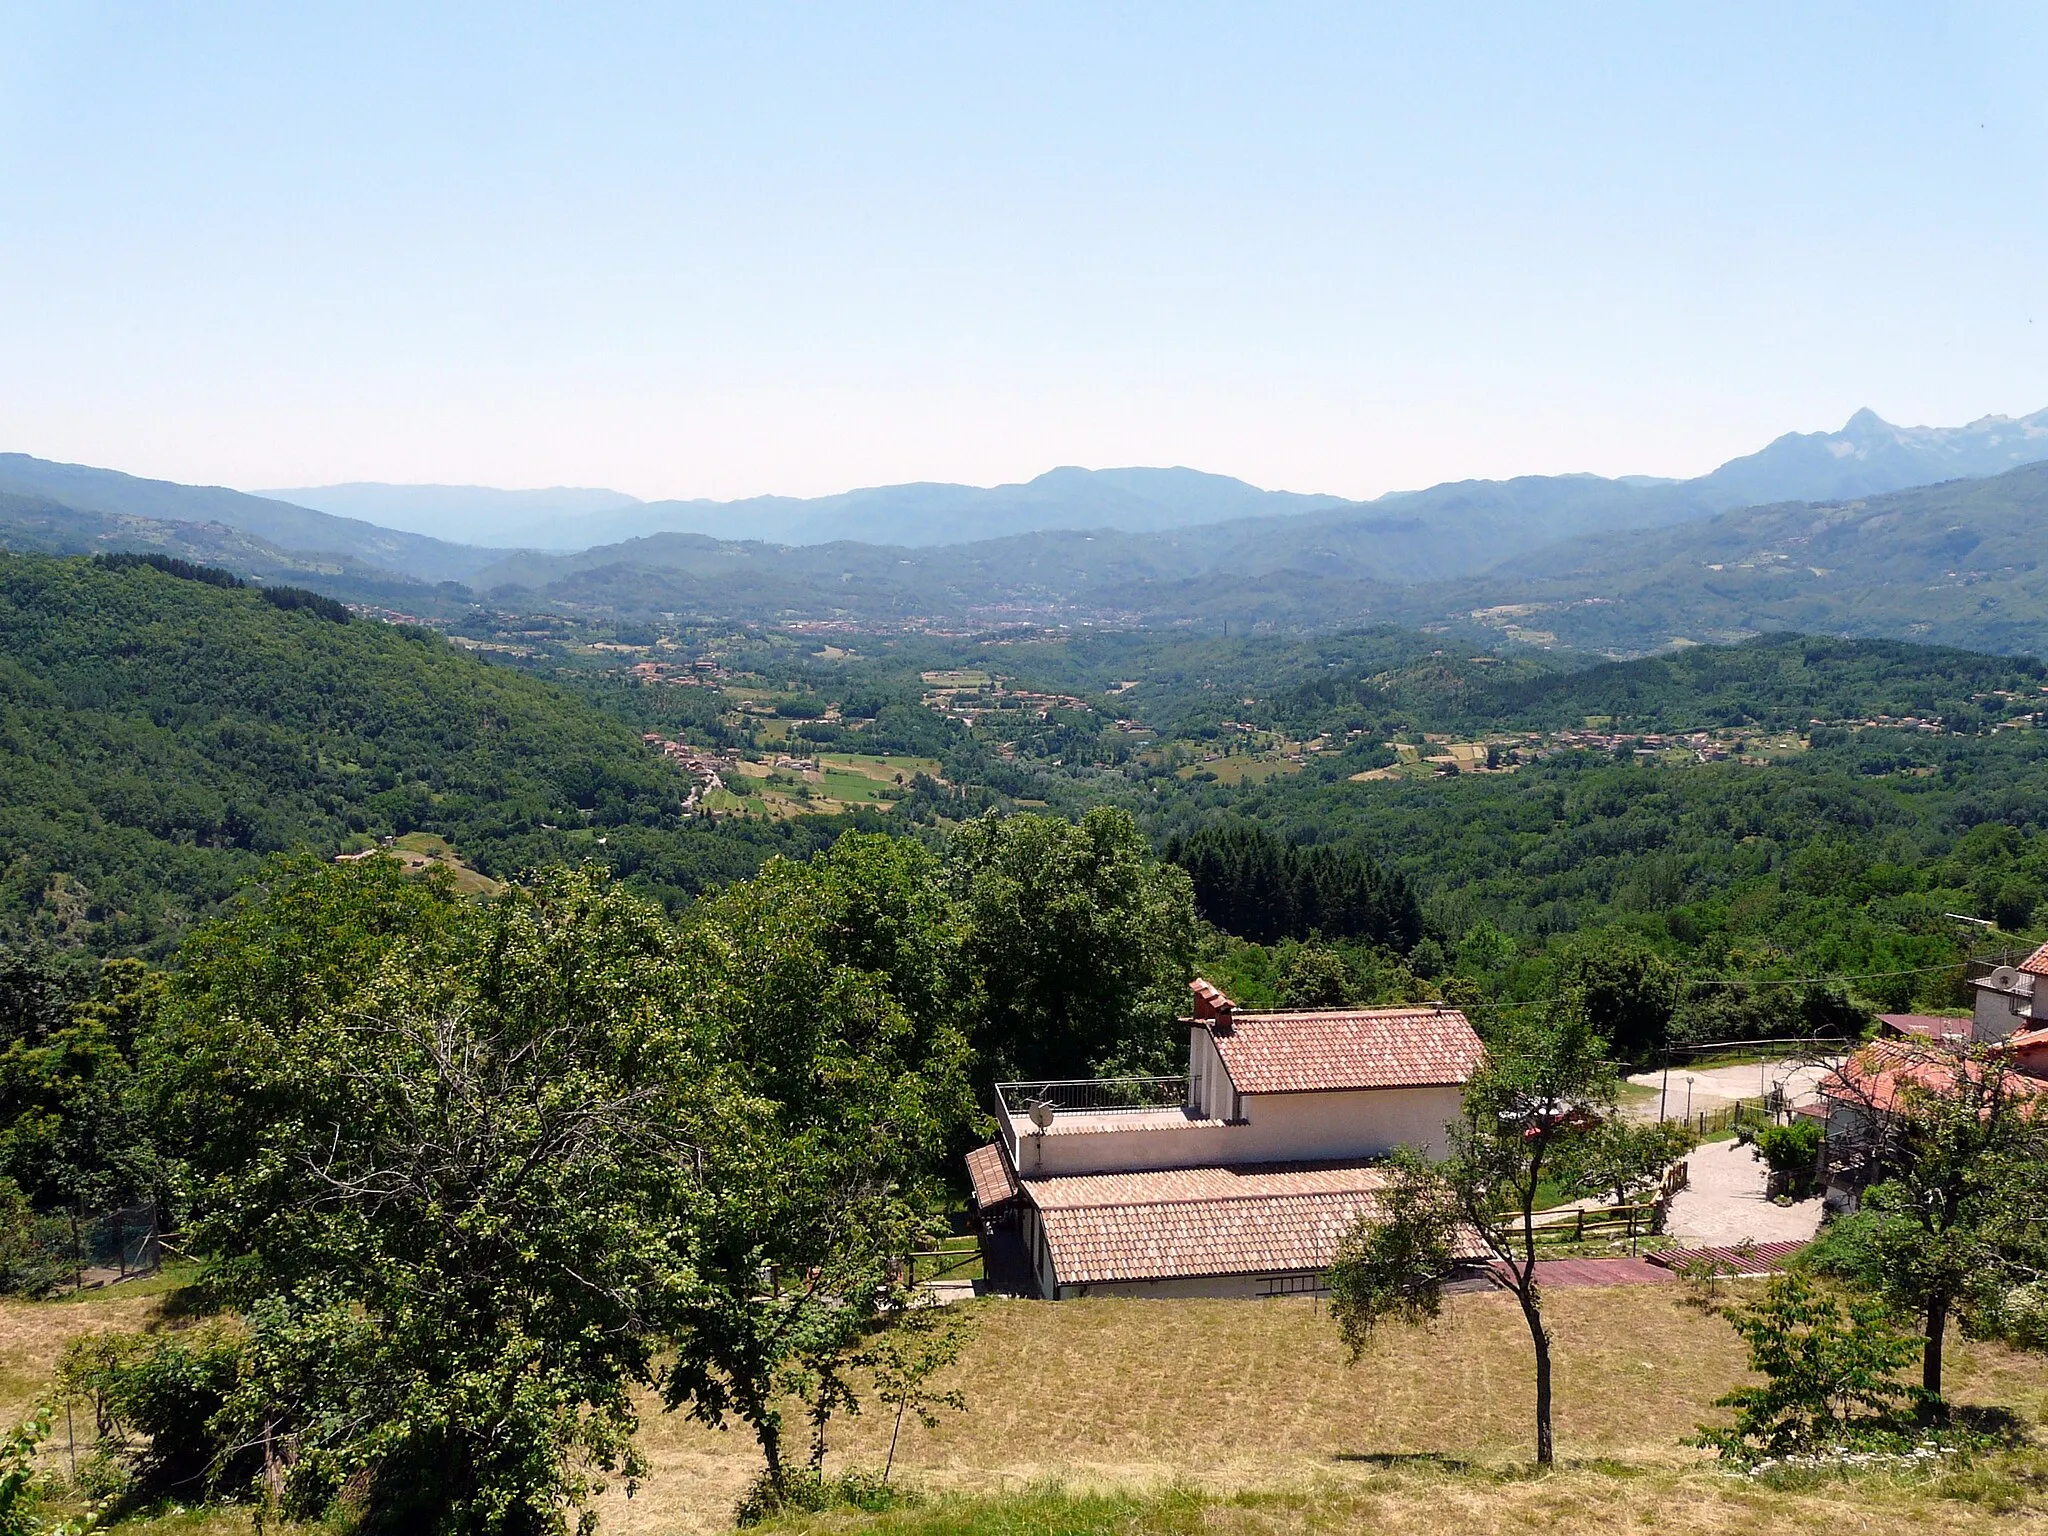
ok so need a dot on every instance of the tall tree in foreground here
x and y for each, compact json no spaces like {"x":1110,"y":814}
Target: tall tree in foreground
{"x":1960,"y":1216}
{"x":1541,"y":1098}
{"x":831,"y":991}
{"x":1082,"y":943}
{"x":440,"y":1153}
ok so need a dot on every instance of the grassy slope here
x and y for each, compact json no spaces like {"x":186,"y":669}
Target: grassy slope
{"x":1422,"y":1499}
{"x":1177,"y":1416}
{"x":1142,"y":1396}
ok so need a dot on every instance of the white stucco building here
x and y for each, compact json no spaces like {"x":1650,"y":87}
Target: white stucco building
{"x":2005,"y":999}
{"x":1239,"y":1178}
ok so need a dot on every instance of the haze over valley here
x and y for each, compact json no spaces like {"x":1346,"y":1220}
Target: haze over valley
{"x":1620,"y":566}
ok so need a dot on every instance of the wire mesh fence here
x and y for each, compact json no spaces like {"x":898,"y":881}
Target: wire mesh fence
{"x":51,"y":1253}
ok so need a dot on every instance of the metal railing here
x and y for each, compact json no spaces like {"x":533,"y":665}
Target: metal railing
{"x":1014,"y":1101}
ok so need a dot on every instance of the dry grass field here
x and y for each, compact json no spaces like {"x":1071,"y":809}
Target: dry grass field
{"x":1169,"y":1416}
{"x":1237,"y":1397}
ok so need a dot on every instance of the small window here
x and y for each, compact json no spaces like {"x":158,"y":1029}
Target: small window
{"x":1290,"y":1285}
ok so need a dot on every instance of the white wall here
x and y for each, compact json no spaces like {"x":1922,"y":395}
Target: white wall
{"x":1217,"y":1097}
{"x":1277,"y":1128}
{"x":2004,"y":1002}
{"x":1298,"y":1127}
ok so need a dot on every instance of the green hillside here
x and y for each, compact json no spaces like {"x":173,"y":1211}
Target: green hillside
{"x":36,"y":525}
{"x":1954,"y":564}
{"x":159,"y":737}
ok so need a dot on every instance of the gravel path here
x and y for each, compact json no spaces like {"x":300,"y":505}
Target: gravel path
{"x":1724,"y":1202}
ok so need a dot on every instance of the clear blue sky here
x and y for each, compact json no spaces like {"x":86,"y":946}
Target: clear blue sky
{"x":744,"y":248}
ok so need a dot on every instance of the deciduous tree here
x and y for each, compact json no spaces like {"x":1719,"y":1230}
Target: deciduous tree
{"x":1082,"y":943}
{"x":448,"y":1162}
{"x":828,"y":991}
{"x":1544,"y":1088}
{"x":1960,"y":1214}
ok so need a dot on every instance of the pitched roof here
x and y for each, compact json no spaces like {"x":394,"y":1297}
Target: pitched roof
{"x":1347,"y":1048}
{"x":1878,"y":1075}
{"x":988,"y":1171}
{"x":1244,"y":1181}
{"x":2026,"y":1042}
{"x":2036,"y":964}
{"x":1187,"y":1223}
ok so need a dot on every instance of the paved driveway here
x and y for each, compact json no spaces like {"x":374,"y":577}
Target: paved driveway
{"x":1693,"y":1089}
{"x":1723,"y":1202}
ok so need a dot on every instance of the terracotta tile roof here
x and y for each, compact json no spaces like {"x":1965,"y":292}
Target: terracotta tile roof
{"x":1187,"y":1223}
{"x":2036,"y":964}
{"x":1088,"y":1122}
{"x":1345,"y":1048}
{"x":2027,"y":1042}
{"x":988,"y":1170}
{"x":1245,"y":1181}
{"x":1876,"y":1076}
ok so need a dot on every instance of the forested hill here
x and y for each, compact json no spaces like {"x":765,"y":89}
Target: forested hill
{"x":160,"y":736}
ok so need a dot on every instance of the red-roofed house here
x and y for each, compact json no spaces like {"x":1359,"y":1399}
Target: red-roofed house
{"x":1859,"y":1101}
{"x":1239,"y":1178}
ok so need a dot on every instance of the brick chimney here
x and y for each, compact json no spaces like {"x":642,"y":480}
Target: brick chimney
{"x":1211,"y":1006}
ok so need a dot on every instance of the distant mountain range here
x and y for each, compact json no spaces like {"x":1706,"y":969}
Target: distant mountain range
{"x":1962,"y":563}
{"x":1867,"y":456}
{"x":1957,"y":563}
{"x":109,"y":493}
{"x":1870,"y":456}
{"x":1616,"y":564}
{"x":466,"y":514}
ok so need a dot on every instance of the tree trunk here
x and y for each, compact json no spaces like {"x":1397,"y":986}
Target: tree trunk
{"x":768,"y":1430}
{"x":1532,"y":1311}
{"x":1930,"y":1352}
{"x":821,"y":1413}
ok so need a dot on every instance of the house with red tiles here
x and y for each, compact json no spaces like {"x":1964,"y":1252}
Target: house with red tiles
{"x":1240,"y":1176}
{"x":1860,"y":1102}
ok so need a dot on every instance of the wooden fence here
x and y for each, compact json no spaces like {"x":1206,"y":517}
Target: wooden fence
{"x":1603,"y":1221}
{"x":1757,"y":1112}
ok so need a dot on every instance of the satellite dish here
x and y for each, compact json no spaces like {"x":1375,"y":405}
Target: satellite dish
{"x":1041,"y":1114}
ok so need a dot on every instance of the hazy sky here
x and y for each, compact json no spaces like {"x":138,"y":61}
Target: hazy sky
{"x":744,"y":248}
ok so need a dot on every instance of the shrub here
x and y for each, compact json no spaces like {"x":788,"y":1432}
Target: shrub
{"x":157,"y":1404}
{"x":20,"y":1492}
{"x":1790,"y":1149}
{"x":35,"y":1250}
{"x":812,"y":1492}
{"x":1830,"y":1367}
